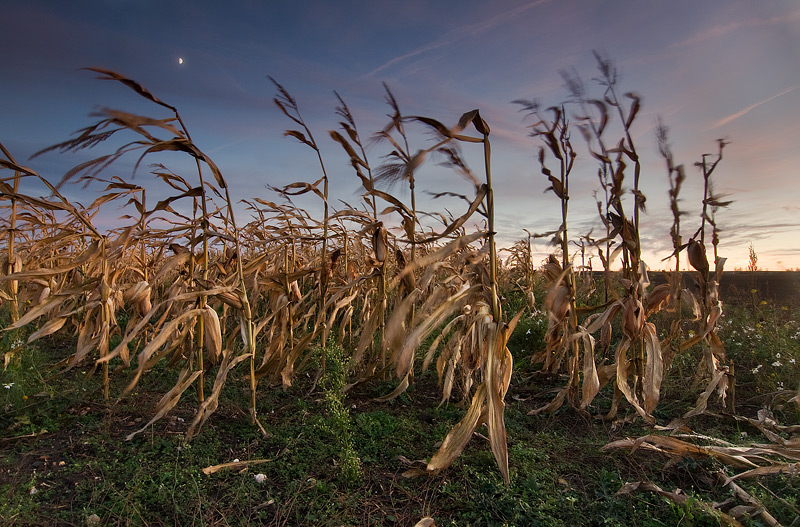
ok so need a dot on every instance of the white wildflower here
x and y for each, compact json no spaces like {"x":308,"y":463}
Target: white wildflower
{"x":260,"y":478}
{"x":777,"y":364}
{"x":8,"y":386}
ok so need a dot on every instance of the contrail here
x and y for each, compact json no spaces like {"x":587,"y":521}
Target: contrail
{"x":233,"y":143}
{"x":740,"y":113}
{"x":460,"y":33}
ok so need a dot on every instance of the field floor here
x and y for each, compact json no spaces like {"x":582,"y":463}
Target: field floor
{"x":334,"y":460}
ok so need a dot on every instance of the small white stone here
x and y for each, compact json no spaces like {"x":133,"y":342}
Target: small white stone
{"x":236,"y":460}
{"x":260,"y":478}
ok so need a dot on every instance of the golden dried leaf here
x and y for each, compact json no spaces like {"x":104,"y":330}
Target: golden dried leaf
{"x":621,"y":360}
{"x":235,"y":465}
{"x":680,"y":499}
{"x":37,"y":311}
{"x":459,"y":436}
{"x":50,"y":327}
{"x":591,"y":380}
{"x":702,"y":400}
{"x":499,"y":365}
{"x":402,"y":387}
{"x":164,"y":336}
{"x":791,"y":469}
{"x":654,"y":368}
{"x":168,"y":400}
{"x":209,"y":406}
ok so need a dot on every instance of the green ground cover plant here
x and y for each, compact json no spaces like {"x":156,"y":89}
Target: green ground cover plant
{"x":69,"y":445}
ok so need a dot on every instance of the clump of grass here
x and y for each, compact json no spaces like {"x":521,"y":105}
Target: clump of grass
{"x":337,"y":423}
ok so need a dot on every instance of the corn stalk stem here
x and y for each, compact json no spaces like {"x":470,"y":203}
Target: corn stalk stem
{"x":290,"y":306}
{"x":487,"y":157}
{"x":323,"y":283}
{"x":105,"y":319}
{"x":143,"y":244}
{"x":567,"y":264}
{"x":13,"y":285}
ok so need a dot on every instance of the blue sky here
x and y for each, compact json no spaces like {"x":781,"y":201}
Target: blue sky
{"x":711,"y":69}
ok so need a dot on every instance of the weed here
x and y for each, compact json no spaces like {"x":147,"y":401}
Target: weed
{"x":338,"y":423}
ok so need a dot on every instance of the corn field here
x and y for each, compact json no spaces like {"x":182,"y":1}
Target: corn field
{"x":214,"y":296}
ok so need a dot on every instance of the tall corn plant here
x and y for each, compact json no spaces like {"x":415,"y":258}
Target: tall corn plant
{"x":633,"y":306}
{"x":485,"y":334}
{"x":288,"y":105}
{"x":498,"y":359}
{"x":520,"y":270}
{"x":379,"y":239}
{"x":99,"y":312}
{"x":562,"y":339}
{"x":676,"y":175}
{"x":707,"y":307}
{"x":284,"y":235}
{"x":640,"y":336}
{"x":715,"y":364}
{"x":401,"y":165}
{"x":147,"y":142}
{"x":13,"y":263}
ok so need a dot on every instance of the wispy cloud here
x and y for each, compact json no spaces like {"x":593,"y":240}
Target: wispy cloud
{"x":742,"y":112}
{"x":722,"y":30}
{"x":460,"y":33}
{"x":239,"y":141}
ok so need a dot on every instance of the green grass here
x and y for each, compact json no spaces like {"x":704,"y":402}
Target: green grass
{"x":336,"y":459}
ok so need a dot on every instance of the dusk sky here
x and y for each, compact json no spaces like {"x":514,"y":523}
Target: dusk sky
{"x":710,"y":68}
